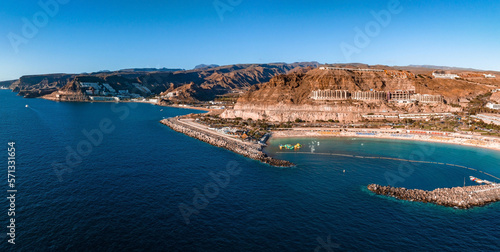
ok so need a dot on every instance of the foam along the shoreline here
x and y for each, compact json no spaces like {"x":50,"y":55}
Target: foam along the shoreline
{"x":250,"y":150}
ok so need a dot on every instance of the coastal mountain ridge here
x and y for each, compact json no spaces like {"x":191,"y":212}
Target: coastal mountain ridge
{"x":205,"y":82}
{"x":194,"y":85}
{"x":295,"y":88}
{"x":288,"y":97}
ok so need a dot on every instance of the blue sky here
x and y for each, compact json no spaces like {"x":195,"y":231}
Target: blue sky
{"x":86,"y":36}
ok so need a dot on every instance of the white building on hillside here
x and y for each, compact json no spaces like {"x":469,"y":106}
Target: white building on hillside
{"x":489,"y":76}
{"x":444,"y":75}
{"x":493,"y":106}
{"x":94,"y":85}
{"x":109,"y":88}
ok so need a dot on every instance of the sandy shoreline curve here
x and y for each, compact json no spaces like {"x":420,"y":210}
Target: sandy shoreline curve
{"x":487,"y":142}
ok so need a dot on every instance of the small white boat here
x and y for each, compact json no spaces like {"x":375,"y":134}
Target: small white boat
{"x":27,"y":105}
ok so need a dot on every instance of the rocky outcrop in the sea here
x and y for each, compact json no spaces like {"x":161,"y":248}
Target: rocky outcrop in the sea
{"x":457,"y":197}
{"x":253,"y":151}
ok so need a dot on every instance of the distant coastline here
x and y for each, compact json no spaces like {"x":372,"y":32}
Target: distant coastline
{"x":130,"y":101}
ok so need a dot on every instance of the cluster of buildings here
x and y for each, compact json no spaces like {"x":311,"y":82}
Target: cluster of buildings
{"x":447,"y":75}
{"x":488,"y":118}
{"x":444,"y":75}
{"x":104,"y":92}
{"x":216,"y":105}
{"x":142,"y":88}
{"x":414,"y":116}
{"x":491,"y":105}
{"x":398,"y":96}
{"x":170,"y":95}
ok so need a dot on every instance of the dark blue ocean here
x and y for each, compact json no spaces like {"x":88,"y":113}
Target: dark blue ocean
{"x":131,"y":187}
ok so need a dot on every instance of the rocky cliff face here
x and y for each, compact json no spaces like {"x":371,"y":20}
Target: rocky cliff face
{"x":38,"y":85}
{"x":287,"y":97}
{"x":283,"y":112}
{"x":6,"y":84}
{"x":70,"y":92}
{"x":192,"y":85}
{"x":206,"y":83}
{"x":495,"y":97}
{"x":344,"y":112}
{"x":295,"y":88}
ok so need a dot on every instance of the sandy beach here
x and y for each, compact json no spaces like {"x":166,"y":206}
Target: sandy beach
{"x":399,"y":134}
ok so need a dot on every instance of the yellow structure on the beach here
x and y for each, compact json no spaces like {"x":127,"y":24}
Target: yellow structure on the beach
{"x":290,"y":147}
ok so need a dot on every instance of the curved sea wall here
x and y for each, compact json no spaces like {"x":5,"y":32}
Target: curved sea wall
{"x":253,"y":151}
{"x":458,"y":197}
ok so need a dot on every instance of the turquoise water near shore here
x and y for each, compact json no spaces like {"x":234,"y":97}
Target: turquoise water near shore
{"x":125,"y":194}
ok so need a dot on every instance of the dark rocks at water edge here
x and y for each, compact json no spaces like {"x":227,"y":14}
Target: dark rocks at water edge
{"x":250,"y":150}
{"x":457,"y":197}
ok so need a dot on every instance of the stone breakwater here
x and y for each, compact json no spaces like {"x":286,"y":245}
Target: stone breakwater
{"x":458,"y":197}
{"x":253,"y":151}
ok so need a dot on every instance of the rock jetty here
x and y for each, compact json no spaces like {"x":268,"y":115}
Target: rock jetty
{"x":250,"y":150}
{"x":457,"y":197}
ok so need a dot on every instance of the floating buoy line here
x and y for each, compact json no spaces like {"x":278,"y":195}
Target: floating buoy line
{"x":395,"y":159}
